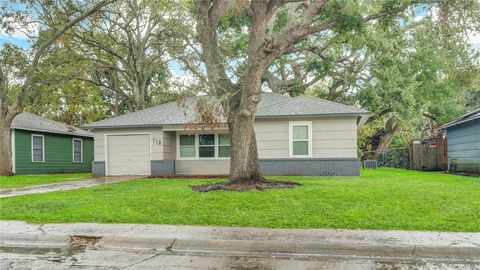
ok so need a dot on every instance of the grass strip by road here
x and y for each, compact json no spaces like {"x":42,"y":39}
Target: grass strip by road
{"x":380,"y":199}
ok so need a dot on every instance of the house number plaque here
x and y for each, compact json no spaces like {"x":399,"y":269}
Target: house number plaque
{"x":156,"y":141}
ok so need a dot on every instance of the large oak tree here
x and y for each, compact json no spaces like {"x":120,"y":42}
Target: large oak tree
{"x":16,"y":80}
{"x":269,"y":34}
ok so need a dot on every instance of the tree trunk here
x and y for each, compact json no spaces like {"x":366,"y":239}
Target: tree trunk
{"x":117,"y":89}
{"x":384,"y":144}
{"x":139,"y":97}
{"x":5,"y":147}
{"x":391,"y":127}
{"x":244,"y":165}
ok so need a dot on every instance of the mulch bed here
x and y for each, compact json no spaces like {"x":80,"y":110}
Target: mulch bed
{"x":191,"y":176}
{"x":244,"y":186}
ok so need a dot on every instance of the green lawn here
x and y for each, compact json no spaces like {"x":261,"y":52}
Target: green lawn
{"x":381,"y":199}
{"x":39,"y":179}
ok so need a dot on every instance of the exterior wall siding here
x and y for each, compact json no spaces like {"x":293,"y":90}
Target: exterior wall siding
{"x":333,"y":138}
{"x":169,"y":145}
{"x":58,"y":154}
{"x":157,"y":150}
{"x":202,"y":167}
{"x":464,"y":146}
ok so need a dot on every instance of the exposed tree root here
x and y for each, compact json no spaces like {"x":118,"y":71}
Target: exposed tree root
{"x":245,"y":185}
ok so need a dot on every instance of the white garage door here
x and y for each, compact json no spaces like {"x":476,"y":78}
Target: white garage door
{"x":128,"y":154}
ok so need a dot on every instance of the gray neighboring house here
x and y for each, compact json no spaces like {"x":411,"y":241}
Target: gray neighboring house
{"x":463,"y":142}
{"x":295,"y":136}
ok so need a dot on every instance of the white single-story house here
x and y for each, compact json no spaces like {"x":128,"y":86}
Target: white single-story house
{"x":295,"y":136}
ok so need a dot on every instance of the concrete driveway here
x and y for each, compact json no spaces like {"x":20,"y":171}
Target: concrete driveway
{"x":13,"y":192}
{"x":135,"y":246}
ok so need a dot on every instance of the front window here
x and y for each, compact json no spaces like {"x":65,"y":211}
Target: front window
{"x":223,"y":145}
{"x":300,"y":139}
{"x":207,"y":145}
{"x":38,"y":154}
{"x":187,"y":146}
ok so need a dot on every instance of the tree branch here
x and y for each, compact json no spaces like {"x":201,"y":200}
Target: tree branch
{"x":18,"y":108}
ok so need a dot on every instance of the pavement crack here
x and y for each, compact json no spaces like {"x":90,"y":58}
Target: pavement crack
{"x":142,"y":260}
{"x":169,"y":248}
{"x":130,"y":229}
{"x":40,"y":228}
{"x":414,"y":243}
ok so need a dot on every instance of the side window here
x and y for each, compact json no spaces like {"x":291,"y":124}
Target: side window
{"x":206,"y":146}
{"x":300,"y":139}
{"x":38,"y":154}
{"x":77,"y":150}
{"x":187,"y":146}
{"x":223,"y":145}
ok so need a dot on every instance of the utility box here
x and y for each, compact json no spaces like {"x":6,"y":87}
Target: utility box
{"x":370,"y":164}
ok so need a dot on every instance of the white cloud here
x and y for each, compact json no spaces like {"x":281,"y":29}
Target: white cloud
{"x":475,"y":40}
{"x":19,"y":31}
{"x":419,"y":18}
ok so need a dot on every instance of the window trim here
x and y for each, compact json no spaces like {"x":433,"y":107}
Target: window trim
{"x":197,"y":145}
{"x":223,"y":145}
{"x":215,"y":144}
{"x":43,"y":147}
{"x":73,"y":150}
{"x":290,"y":138}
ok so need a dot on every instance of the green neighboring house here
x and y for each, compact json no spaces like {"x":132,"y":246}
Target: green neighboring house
{"x":41,"y":145}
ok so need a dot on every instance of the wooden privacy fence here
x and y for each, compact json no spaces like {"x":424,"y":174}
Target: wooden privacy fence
{"x":430,"y":154}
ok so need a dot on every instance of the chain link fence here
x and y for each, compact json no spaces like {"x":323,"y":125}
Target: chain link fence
{"x":394,"y":157}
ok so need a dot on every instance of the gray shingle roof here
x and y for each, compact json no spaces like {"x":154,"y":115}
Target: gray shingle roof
{"x":463,"y":119}
{"x":271,"y":105}
{"x":306,"y":105}
{"x":33,"y":122}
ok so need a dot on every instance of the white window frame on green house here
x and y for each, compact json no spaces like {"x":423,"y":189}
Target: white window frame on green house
{"x":292,"y":140}
{"x":81,"y":150}
{"x":43,"y":147}
{"x":197,"y":145}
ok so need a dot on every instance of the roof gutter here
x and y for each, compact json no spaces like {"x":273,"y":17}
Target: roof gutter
{"x":54,"y":132}
{"x":458,"y":122}
{"x":365,"y":115}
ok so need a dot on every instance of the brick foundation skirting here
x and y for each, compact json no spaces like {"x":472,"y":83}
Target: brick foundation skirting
{"x":98,"y":168}
{"x":162,"y":167}
{"x":280,"y":166}
{"x":311,"y":166}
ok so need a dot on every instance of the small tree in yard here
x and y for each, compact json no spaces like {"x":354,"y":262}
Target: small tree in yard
{"x":13,"y":89}
{"x":241,"y":39}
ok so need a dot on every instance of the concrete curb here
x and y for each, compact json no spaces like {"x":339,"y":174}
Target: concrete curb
{"x":248,"y":248}
{"x":198,"y":240}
